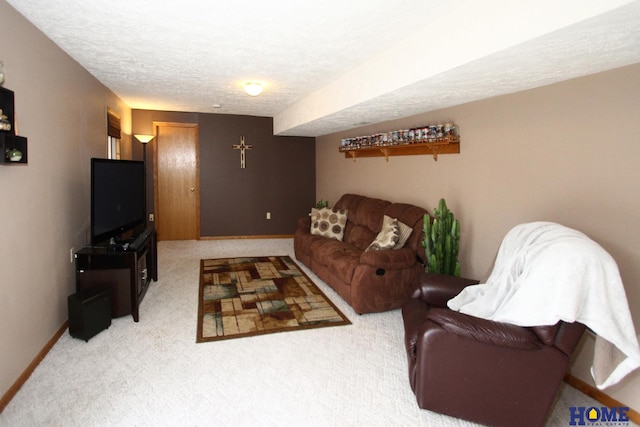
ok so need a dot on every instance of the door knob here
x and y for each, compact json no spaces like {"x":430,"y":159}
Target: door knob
{"x":193,"y":189}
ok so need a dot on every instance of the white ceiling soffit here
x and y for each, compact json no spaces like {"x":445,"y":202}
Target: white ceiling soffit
{"x":334,"y":65}
{"x":485,"y":55}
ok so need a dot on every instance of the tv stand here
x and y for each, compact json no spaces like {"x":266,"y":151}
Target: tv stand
{"x":127,"y":270}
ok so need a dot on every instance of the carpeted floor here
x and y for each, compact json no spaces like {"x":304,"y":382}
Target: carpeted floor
{"x":153,"y":373}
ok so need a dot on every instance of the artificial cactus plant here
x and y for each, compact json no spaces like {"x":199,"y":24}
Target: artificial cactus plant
{"x":441,"y":241}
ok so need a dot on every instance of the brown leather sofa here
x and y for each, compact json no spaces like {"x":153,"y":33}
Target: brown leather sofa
{"x":483,"y":371}
{"x":370,"y":281}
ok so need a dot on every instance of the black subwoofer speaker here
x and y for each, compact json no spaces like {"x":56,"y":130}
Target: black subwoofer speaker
{"x":89,"y":312}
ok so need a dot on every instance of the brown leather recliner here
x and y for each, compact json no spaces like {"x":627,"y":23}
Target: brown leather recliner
{"x":480,"y":370}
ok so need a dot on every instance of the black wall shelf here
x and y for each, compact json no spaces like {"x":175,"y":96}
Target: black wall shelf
{"x":9,"y":141}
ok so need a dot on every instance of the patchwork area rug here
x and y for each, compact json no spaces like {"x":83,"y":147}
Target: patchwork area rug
{"x":241,"y":297}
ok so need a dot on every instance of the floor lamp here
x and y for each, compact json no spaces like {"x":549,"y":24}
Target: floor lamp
{"x":144,"y":139}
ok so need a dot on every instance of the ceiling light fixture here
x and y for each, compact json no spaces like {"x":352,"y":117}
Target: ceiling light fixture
{"x":253,"y":88}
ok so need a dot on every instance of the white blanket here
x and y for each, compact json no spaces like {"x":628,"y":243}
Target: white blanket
{"x":544,"y":273}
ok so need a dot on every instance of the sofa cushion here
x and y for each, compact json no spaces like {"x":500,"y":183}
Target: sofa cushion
{"x":370,"y":214}
{"x":358,"y":235}
{"x":409,"y":214}
{"x":328,"y":222}
{"x":340,"y":257}
{"x":388,"y":236}
{"x":349,"y":202}
{"x":364,"y":219}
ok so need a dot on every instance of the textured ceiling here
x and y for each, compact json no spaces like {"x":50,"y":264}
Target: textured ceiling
{"x":336,"y":64}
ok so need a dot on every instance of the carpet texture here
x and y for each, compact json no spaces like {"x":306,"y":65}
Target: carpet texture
{"x":153,"y":373}
{"x":241,"y":297}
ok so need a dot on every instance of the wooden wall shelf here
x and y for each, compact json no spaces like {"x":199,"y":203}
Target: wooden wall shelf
{"x":448,"y":146}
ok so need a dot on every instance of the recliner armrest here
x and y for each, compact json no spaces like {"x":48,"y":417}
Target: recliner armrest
{"x":437,"y":289}
{"x":486,"y":331}
{"x":389,"y":259}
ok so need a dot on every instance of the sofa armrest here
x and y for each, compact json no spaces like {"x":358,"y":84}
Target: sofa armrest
{"x":437,"y":289}
{"x":390,"y":259}
{"x":304,"y":223}
{"x":485,"y":331}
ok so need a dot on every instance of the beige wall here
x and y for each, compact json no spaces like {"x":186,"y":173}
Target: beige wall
{"x":44,"y":207}
{"x":567,"y":152}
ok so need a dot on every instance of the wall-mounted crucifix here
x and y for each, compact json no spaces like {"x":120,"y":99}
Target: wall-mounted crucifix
{"x":242,"y":147}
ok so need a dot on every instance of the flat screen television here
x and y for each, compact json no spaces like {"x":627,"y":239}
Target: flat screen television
{"x":118,"y":200}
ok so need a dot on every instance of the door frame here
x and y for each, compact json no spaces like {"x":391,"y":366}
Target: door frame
{"x":156,"y":125}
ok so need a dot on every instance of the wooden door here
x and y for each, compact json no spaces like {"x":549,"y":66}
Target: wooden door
{"x":176,"y":178}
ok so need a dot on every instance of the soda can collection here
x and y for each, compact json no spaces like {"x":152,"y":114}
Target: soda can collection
{"x":447,"y":132}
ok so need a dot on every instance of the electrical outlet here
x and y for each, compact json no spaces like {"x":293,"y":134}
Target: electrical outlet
{"x":268,"y":215}
{"x":152,"y":217}
{"x":72,"y":254}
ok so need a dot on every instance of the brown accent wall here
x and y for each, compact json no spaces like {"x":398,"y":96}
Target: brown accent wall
{"x":279,"y":176}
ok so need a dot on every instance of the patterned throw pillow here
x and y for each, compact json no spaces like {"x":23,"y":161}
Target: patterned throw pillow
{"x":328,"y":222}
{"x":387,"y":237}
{"x":314,"y":214}
{"x":404,"y":231}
